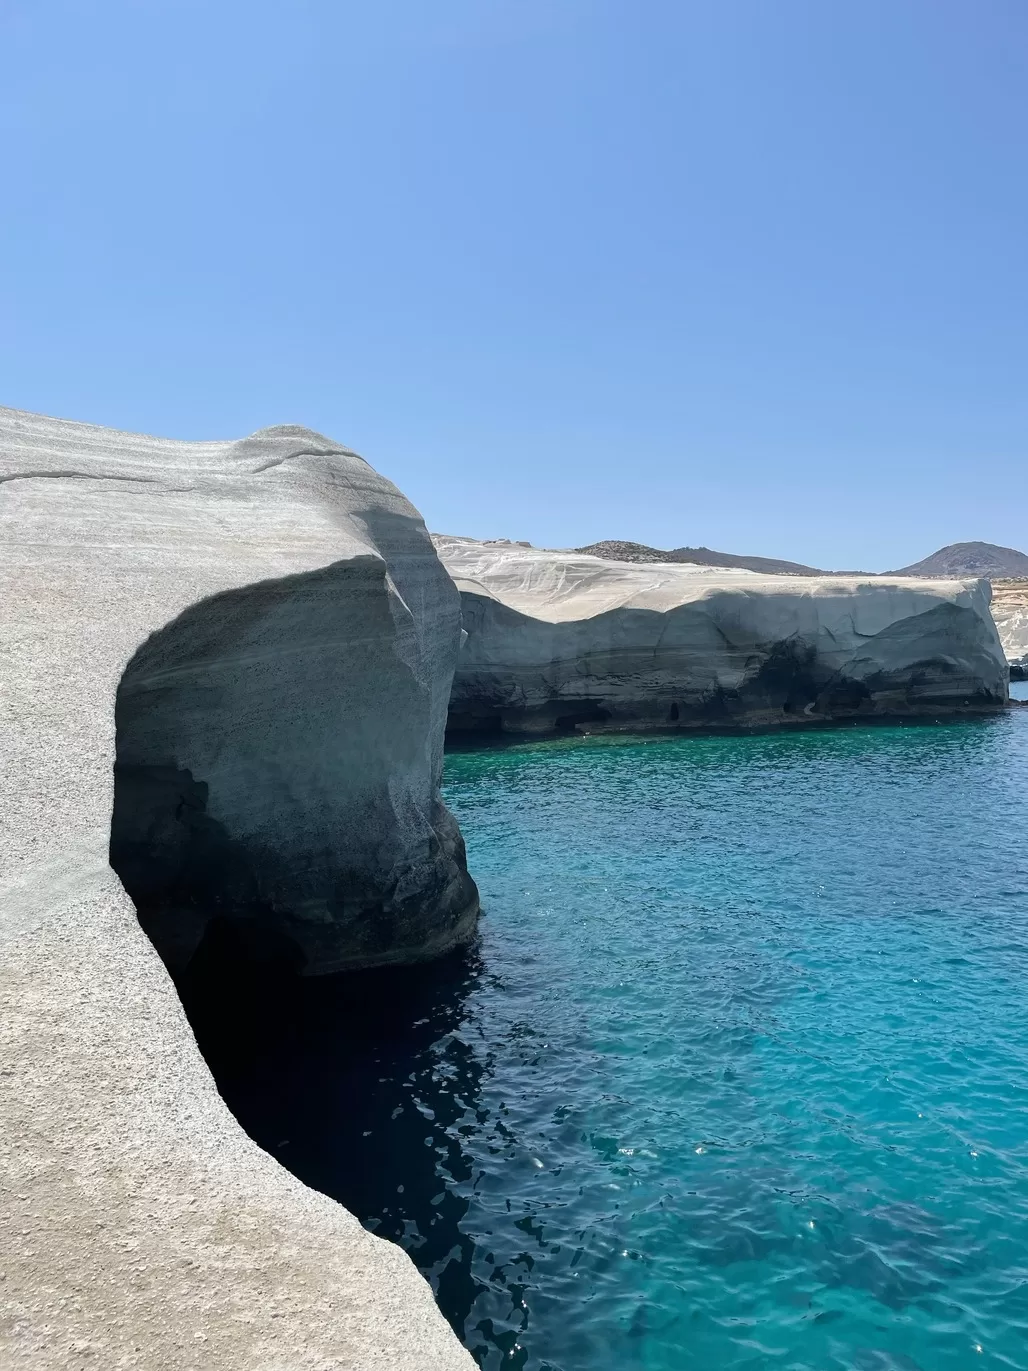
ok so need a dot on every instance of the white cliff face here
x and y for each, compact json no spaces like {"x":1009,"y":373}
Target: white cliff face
{"x":565,"y":640}
{"x":260,"y":635}
{"x":279,"y":734}
{"x":1010,"y":610}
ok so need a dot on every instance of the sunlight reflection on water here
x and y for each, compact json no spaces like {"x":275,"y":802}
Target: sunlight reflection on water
{"x":737,"y":1077}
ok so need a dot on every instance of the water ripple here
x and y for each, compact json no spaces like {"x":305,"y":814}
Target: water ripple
{"x":738,"y":1077}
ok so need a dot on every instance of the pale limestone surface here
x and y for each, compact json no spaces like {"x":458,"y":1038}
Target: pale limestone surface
{"x":139,"y":1226}
{"x":1010,"y":610}
{"x":566,"y":640}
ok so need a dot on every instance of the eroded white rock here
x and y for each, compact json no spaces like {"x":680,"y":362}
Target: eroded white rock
{"x":1010,"y":610}
{"x":564,"y":640}
{"x":289,"y":637}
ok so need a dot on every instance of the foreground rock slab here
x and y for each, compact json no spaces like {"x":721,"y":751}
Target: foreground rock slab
{"x":201,"y":586}
{"x":561,"y":640}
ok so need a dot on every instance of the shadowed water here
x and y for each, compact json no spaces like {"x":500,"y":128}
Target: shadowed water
{"x":737,"y":1077}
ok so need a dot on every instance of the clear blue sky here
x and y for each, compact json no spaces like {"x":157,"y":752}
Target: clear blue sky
{"x":749,"y":273}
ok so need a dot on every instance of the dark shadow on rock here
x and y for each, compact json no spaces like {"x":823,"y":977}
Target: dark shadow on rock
{"x":357,"y":1083}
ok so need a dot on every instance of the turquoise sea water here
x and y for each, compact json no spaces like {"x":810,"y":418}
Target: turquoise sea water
{"x":738,"y":1077}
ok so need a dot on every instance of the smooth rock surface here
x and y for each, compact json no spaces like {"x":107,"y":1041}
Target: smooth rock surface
{"x":1010,"y":610}
{"x":561,"y":640}
{"x":140,"y":1226}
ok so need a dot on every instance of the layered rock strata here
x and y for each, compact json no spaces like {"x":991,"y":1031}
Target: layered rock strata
{"x":1010,"y":610}
{"x":262,"y":637}
{"x":560,"y":640}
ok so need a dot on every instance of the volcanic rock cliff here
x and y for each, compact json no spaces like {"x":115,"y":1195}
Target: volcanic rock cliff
{"x":245,"y":651}
{"x":562,"y":640}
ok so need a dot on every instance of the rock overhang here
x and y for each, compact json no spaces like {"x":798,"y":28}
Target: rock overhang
{"x":129,"y":1180}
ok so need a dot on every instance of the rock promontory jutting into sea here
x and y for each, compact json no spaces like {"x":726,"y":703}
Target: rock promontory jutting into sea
{"x":1010,"y":611}
{"x":243,"y":649}
{"x":227,"y":671}
{"x":564,"y":640}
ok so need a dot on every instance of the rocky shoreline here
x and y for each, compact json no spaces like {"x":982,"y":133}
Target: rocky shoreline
{"x":229,"y":668}
{"x":140,"y":1226}
{"x":1010,"y":611}
{"x":561,"y":642}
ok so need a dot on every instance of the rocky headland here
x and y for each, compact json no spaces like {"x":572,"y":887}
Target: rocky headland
{"x":243,"y":651}
{"x":228,"y":668}
{"x":1010,"y":610}
{"x":564,"y":640}
{"x":1005,"y":567}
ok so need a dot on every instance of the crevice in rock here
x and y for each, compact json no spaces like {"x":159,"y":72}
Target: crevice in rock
{"x":75,"y":476}
{"x":294,"y":456}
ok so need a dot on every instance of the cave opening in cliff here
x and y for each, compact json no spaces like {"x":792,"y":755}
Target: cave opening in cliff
{"x":584,"y":712}
{"x":176,"y":860}
{"x":324,"y":1072}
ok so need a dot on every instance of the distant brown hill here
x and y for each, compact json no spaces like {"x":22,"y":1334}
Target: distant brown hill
{"x":970,"y":559}
{"x":956,"y":560}
{"x":616,"y":551}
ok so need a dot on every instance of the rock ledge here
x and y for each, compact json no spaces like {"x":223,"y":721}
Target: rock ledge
{"x":560,"y":641}
{"x":140,"y":1226}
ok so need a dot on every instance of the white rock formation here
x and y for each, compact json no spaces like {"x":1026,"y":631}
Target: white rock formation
{"x":289,"y":637}
{"x":565,"y":640}
{"x":1010,"y":610}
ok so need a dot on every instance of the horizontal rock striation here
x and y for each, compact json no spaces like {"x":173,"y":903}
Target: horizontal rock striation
{"x":279,"y":741}
{"x":245,"y":651}
{"x":1010,"y":610}
{"x":560,"y":641}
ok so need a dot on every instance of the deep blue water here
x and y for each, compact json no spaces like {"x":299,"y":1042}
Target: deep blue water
{"x":738,"y":1077}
